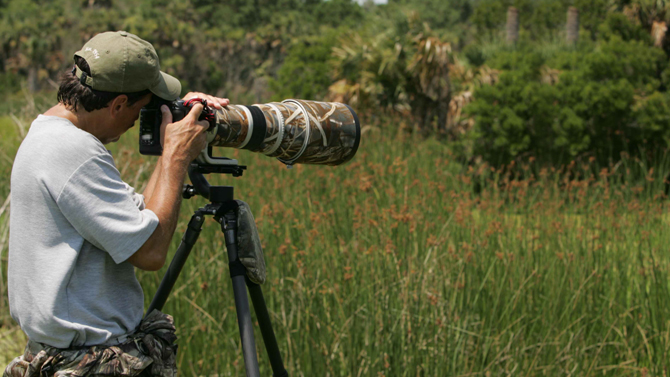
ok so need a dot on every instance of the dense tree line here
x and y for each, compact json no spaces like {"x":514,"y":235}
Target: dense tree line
{"x":210,"y":45}
{"x":438,"y":67}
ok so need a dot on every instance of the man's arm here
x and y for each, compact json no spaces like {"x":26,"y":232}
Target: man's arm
{"x":148,"y":191}
{"x":183,"y":141}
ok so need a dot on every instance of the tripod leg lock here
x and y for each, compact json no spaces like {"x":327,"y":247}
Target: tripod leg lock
{"x":195,"y":226}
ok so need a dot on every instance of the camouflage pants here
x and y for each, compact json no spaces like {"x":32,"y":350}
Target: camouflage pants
{"x":149,"y":351}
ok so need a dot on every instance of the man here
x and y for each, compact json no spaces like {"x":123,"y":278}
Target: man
{"x":77,"y":231}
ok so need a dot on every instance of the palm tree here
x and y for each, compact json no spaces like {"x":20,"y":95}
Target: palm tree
{"x":654,"y":15}
{"x":404,"y":69}
{"x":431,"y":85}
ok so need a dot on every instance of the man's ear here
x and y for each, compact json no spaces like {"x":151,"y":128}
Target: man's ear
{"x":117,"y":104}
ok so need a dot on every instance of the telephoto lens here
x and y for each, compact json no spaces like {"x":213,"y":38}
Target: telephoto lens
{"x":293,"y":131}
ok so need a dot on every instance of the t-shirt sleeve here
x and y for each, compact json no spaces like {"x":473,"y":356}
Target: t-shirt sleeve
{"x":138,"y":199}
{"x":104,"y":211}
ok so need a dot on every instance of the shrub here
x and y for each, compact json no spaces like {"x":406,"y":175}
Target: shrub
{"x":403,"y":70}
{"x":305,"y":72}
{"x":598,"y":101}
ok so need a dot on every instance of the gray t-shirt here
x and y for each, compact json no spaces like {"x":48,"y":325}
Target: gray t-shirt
{"x":73,"y":225}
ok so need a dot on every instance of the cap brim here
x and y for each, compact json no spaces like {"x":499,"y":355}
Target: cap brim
{"x":167,"y":88}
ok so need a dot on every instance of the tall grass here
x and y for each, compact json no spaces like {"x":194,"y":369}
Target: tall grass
{"x":406,"y":263}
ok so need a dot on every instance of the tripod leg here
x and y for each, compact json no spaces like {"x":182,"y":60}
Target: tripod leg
{"x":190,"y":236}
{"x":265,"y":324}
{"x":237,"y":273}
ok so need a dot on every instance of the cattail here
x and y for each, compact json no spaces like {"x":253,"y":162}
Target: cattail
{"x":512,"y":25}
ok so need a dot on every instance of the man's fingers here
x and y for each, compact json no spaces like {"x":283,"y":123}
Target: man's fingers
{"x":167,"y":115}
{"x":195,"y":112}
{"x":215,"y":102}
{"x":211,"y":101}
{"x":200,"y":141}
{"x":203,"y":123}
{"x":166,"y":119}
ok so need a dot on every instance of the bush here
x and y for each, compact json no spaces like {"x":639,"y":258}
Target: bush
{"x":305,"y":72}
{"x":542,"y":18}
{"x":609,"y":98}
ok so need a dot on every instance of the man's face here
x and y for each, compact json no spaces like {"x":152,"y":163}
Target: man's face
{"x":125,"y":119}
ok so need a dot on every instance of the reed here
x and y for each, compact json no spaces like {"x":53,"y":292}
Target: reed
{"x":405,"y":262}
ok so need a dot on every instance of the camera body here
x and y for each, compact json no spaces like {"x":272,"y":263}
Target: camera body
{"x":151,"y":118}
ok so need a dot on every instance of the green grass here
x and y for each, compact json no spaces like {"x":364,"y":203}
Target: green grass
{"x":392,"y":265}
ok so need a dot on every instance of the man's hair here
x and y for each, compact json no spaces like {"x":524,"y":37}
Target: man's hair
{"x":73,"y":94}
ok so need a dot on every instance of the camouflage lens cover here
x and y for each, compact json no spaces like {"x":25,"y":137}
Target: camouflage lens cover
{"x":295,"y":131}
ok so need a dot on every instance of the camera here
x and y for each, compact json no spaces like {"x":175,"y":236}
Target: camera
{"x":151,"y":118}
{"x":293,"y":131}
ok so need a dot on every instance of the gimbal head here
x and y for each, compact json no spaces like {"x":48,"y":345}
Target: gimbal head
{"x":200,"y":185}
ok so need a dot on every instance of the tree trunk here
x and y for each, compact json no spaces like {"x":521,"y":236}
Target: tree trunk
{"x":512,"y":25}
{"x":573,"y":25}
{"x":33,"y":81}
{"x":658,"y":30}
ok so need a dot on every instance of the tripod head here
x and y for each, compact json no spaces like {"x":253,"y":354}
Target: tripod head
{"x":201,"y":186}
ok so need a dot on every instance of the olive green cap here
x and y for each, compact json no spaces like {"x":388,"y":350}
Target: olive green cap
{"x":122,"y":62}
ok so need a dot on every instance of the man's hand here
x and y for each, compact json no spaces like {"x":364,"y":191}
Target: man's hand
{"x":185,"y":139}
{"x":215,"y":102}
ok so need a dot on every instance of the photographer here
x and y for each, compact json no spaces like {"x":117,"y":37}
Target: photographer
{"x":77,"y":231}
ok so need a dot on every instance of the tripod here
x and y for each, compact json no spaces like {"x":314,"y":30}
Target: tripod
{"x":223,"y":207}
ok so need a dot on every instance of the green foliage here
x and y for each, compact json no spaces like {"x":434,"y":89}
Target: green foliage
{"x":306,"y":69}
{"x":252,"y":15}
{"x":337,"y":13}
{"x":548,"y":100}
{"x":404,"y":69}
{"x":10,"y":82}
{"x":474,"y":55}
{"x":541,"y":18}
{"x":618,"y":24}
{"x":609,"y":99}
{"x":442,"y":16}
{"x":218,"y":47}
{"x":31,"y":34}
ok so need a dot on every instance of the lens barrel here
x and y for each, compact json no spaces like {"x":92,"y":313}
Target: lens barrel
{"x":293,"y":131}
